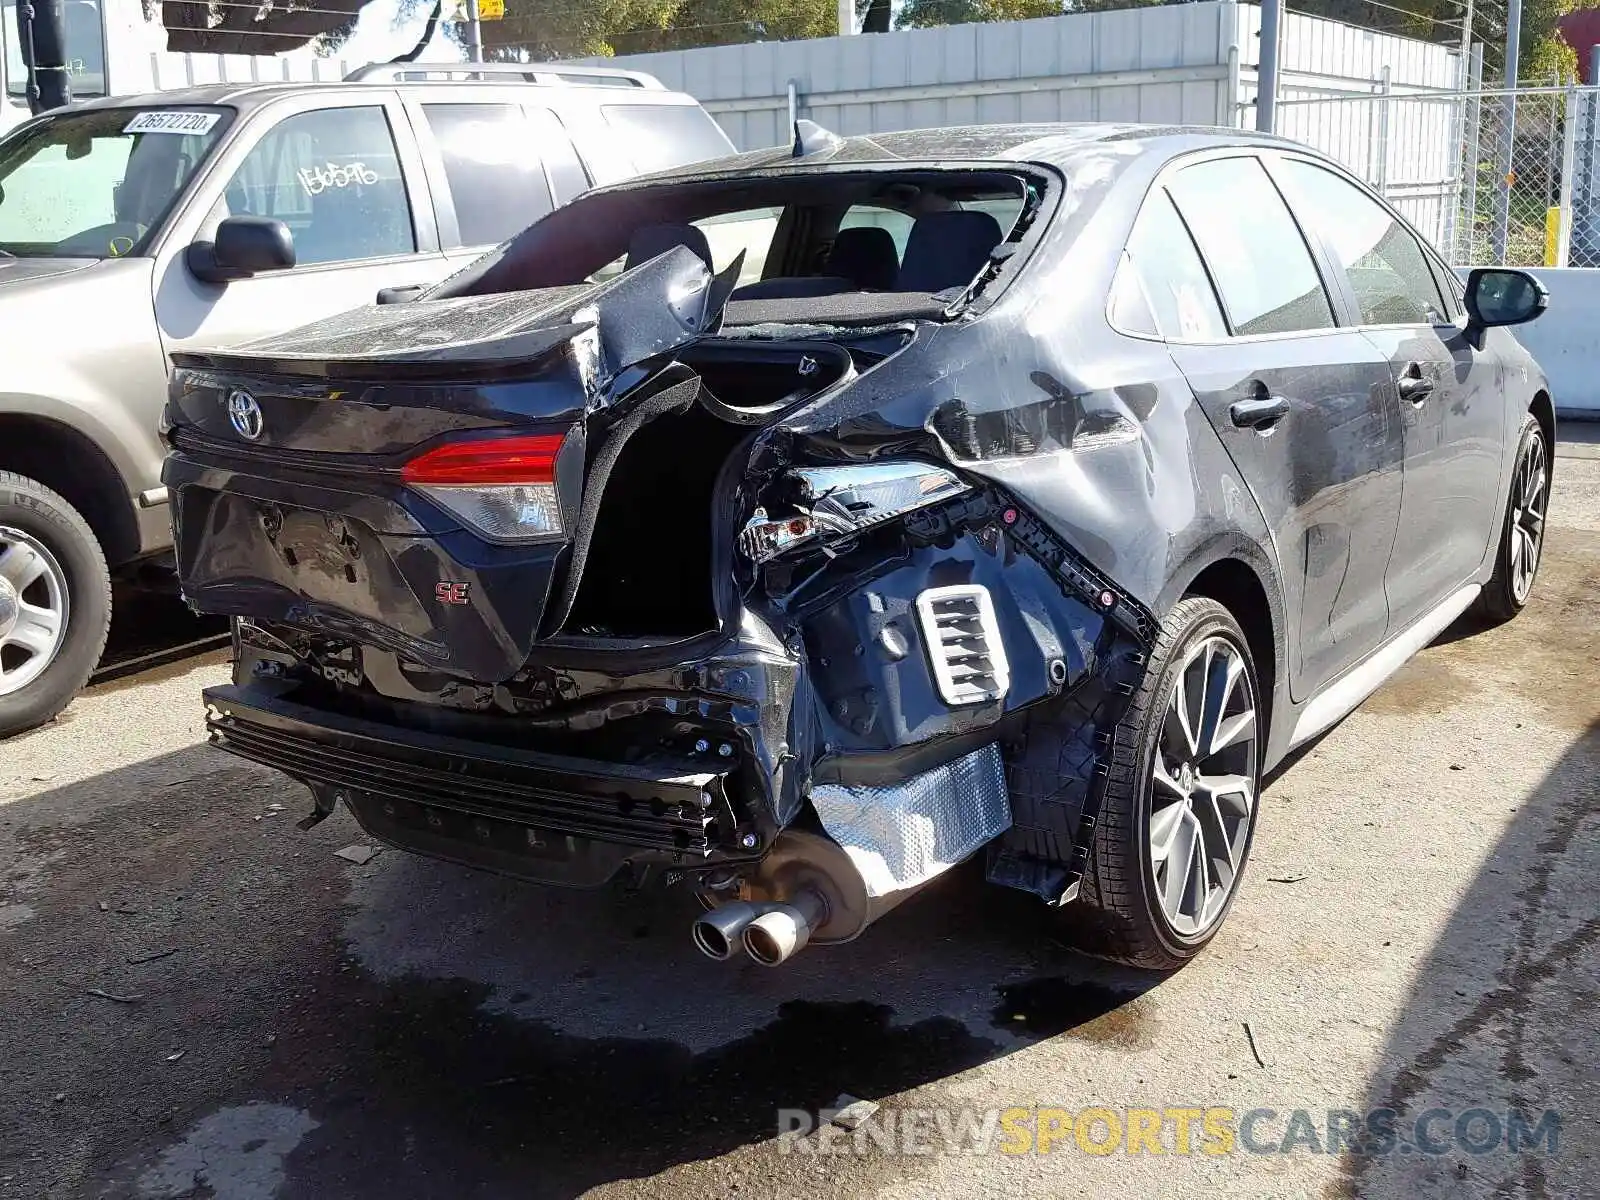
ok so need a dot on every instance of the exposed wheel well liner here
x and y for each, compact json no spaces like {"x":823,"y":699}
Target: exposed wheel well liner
{"x":1235,"y":586}
{"x":1545,"y":413}
{"x":68,"y":463}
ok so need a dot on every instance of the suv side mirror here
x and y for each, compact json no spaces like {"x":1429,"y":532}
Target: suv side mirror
{"x":245,"y":246}
{"x":1497,"y":296}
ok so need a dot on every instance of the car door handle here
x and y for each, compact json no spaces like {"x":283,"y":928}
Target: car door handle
{"x":1414,"y":385}
{"x":1261,"y":413}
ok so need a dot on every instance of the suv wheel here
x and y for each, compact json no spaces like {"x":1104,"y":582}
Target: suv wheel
{"x":55,"y":603}
{"x":1179,"y":810}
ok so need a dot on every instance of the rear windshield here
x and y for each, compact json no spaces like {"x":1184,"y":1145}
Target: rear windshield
{"x":95,"y":184}
{"x":801,"y":235}
{"x":660,"y":136}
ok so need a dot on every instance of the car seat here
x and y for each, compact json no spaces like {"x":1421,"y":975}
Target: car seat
{"x":946,"y":249}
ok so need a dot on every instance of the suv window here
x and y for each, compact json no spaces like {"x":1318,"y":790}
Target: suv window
{"x":1162,"y":262}
{"x":1263,"y":270}
{"x":660,"y":136}
{"x":85,"y":44}
{"x":1388,"y":271}
{"x":333,"y":177}
{"x":496,"y":178}
{"x":561,"y":160}
{"x":79,"y":184}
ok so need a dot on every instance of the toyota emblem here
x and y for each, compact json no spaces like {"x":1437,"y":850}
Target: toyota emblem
{"x":244,"y":414}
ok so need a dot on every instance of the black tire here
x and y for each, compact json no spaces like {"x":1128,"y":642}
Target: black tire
{"x":1501,"y":598}
{"x":1117,"y":914}
{"x":36,"y":511}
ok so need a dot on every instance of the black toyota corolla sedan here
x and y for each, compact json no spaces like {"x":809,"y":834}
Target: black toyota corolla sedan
{"x":792,"y":527}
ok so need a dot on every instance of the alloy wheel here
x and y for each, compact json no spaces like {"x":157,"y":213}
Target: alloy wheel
{"x":34,"y":607}
{"x":1529,"y":496}
{"x":1203,"y":786}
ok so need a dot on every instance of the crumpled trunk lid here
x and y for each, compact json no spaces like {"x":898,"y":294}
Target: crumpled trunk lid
{"x":292,"y":500}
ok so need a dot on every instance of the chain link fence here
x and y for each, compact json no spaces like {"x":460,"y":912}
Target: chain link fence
{"x":1491,"y":177}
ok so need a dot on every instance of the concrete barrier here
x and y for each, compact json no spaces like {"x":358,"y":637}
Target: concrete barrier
{"x":1566,"y":340}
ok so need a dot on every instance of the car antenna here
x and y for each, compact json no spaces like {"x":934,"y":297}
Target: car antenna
{"x":811,"y":138}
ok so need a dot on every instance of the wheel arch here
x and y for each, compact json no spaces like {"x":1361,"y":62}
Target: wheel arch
{"x":1235,"y":573}
{"x":72,"y":465}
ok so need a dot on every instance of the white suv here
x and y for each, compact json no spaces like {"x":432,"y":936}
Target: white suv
{"x":132,"y":228}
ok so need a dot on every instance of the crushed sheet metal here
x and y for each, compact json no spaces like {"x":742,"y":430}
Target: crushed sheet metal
{"x":902,"y":836}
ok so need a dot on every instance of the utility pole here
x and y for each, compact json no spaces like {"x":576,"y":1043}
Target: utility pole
{"x":1508,"y":133}
{"x":474,"y":33}
{"x":1267,"y":60}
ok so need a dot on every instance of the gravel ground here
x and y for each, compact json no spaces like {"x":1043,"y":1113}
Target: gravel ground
{"x":202,"y":1001}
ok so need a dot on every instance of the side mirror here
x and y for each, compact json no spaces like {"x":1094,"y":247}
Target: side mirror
{"x":1497,"y":296}
{"x":245,"y":246}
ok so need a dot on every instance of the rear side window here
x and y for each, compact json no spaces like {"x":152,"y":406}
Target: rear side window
{"x":493,"y":168}
{"x":1265,"y":273}
{"x":660,"y":136}
{"x":1388,"y":270}
{"x":1161,"y":262}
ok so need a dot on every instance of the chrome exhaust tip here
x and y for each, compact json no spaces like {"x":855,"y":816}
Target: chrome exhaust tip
{"x":716,"y":934}
{"x":782,"y":930}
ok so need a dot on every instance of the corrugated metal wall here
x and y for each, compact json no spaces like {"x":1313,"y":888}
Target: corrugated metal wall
{"x":1167,"y":64}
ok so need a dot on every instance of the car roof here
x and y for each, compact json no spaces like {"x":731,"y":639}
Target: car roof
{"x":1058,"y":143}
{"x":249,"y":96}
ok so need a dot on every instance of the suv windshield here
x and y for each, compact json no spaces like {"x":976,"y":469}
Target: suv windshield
{"x":94,"y":184}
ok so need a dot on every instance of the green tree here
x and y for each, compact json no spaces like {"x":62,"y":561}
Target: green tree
{"x":541,"y":29}
{"x":921,"y":14}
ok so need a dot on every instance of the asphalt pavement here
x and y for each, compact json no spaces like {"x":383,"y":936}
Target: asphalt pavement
{"x":199,"y":1000}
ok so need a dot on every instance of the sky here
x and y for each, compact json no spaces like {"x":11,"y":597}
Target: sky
{"x":379,"y":35}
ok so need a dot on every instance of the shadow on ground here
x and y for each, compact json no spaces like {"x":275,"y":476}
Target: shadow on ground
{"x":211,"y":1003}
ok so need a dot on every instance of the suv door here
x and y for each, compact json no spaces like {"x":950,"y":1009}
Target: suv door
{"x":495,"y":166}
{"x":1448,"y":392}
{"x":1304,"y":407}
{"x":347,"y":181}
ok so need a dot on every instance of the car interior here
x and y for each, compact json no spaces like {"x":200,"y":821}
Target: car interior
{"x":804,"y":238}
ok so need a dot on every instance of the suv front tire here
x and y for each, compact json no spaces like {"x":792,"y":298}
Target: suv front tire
{"x":55,"y":603}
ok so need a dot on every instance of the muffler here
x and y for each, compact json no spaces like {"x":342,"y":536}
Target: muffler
{"x":805,"y":890}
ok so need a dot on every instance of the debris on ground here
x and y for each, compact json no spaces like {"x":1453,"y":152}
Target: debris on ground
{"x":1287,"y":878}
{"x":104,"y":995}
{"x":153,"y":956}
{"x":176,"y":1055}
{"x":360,"y":855}
{"x":851,"y":1112}
{"x":1250,"y":1036}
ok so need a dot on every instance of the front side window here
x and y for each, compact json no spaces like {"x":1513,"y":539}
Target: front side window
{"x":333,"y":177}
{"x":95,"y":184}
{"x":84,"y":27}
{"x":1161,"y":261}
{"x":1263,"y":270}
{"x":496,"y":179}
{"x":1388,"y":270}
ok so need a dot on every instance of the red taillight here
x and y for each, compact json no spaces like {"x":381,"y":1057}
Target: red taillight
{"x":503,"y":487}
{"x":487,"y":462}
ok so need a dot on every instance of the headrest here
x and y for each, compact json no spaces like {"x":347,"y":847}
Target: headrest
{"x":865,"y":254}
{"x":946,"y":249}
{"x":650,"y":240}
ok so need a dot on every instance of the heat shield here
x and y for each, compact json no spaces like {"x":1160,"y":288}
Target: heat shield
{"x":904,"y":835}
